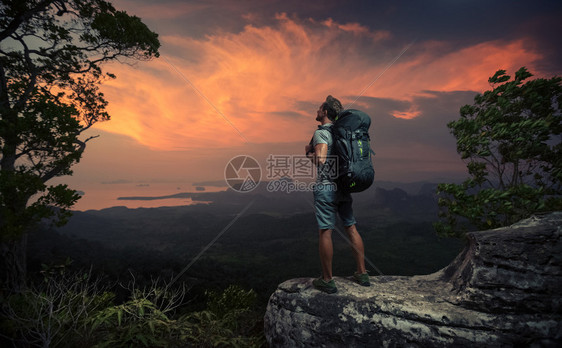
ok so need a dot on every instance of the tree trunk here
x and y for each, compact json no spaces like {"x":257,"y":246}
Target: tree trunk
{"x":13,"y":265}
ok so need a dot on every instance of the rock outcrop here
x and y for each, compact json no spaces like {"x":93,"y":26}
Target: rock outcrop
{"x":504,"y":289}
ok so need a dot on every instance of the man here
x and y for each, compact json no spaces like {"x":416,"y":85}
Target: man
{"x":328,"y":201}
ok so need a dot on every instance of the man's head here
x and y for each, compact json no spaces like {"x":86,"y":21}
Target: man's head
{"x":331,"y":108}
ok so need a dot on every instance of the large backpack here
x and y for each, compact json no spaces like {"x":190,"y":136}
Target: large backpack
{"x":352,"y":145}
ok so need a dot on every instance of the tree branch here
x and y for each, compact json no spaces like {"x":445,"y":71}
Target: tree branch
{"x":58,"y":169}
{"x":4,"y":98}
{"x":32,"y":78}
{"x":23,"y":17}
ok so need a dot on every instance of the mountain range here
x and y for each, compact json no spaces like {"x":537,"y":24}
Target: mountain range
{"x":256,"y":239}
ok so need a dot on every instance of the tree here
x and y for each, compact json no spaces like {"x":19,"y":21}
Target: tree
{"x":51,"y":57}
{"x":511,"y":141}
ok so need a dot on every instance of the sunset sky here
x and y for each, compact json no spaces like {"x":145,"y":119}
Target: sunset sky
{"x":246,"y":77}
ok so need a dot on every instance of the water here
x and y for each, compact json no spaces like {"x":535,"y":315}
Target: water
{"x":100,"y":196}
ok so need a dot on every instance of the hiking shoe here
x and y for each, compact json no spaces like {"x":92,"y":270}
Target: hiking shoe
{"x":362,"y":279}
{"x":327,"y":287}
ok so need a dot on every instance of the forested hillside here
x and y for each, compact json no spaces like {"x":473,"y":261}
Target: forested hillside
{"x":276,"y":239}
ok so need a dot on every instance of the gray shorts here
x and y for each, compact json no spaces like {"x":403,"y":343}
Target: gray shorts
{"x":328,"y":202}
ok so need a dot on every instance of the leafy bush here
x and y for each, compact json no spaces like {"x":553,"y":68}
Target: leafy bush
{"x":145,"y":320}
{"x":228,"y":320}
{"x":55,"y":312}
{"x":76,"y":311}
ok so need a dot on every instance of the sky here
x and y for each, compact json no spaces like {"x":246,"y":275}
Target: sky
{"x":246,"y":78}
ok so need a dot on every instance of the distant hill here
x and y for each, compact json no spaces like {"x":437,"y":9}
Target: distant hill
{"x":414,"y":199}
{"x":275,"y":239}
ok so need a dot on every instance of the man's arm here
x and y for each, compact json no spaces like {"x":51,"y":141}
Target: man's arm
{"x":318,"y":157}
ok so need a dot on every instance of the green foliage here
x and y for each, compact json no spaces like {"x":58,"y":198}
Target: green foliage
{"x":55,"y":312}
{"x":51,"y":56}
{"x":49,"y":271}
{"x":75,"y":311}
{"x":145,"y":320}
{"x":227,"y":321}
{"x":233,"y":300}
{"x":510,"y":139}
{"x":136,"y":323}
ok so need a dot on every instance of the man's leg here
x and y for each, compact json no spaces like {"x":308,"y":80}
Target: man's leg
{"x":326,"y":217}
{"x":357,"y":247}
{"x":326,"y":251}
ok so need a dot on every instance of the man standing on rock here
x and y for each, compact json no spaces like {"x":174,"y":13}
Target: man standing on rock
{"x":328,"y":201}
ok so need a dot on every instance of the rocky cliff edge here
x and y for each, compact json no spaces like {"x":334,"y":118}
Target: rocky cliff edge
{"x":503,"y":289}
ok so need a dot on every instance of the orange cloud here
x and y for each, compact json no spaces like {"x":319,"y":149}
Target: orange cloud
{"x":412,"y":112}
{"x":253,"y":84}
{"x":357,"y":29}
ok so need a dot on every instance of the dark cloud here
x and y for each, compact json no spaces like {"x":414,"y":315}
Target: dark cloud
{"x":286,"y":113}
{"x":543,"y":33}
{"x":418,"y":148}
{"x":307,"y":105}
{"x":430,"y":127}
{"x":116,"y":182}
{"x":459,"y":23}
